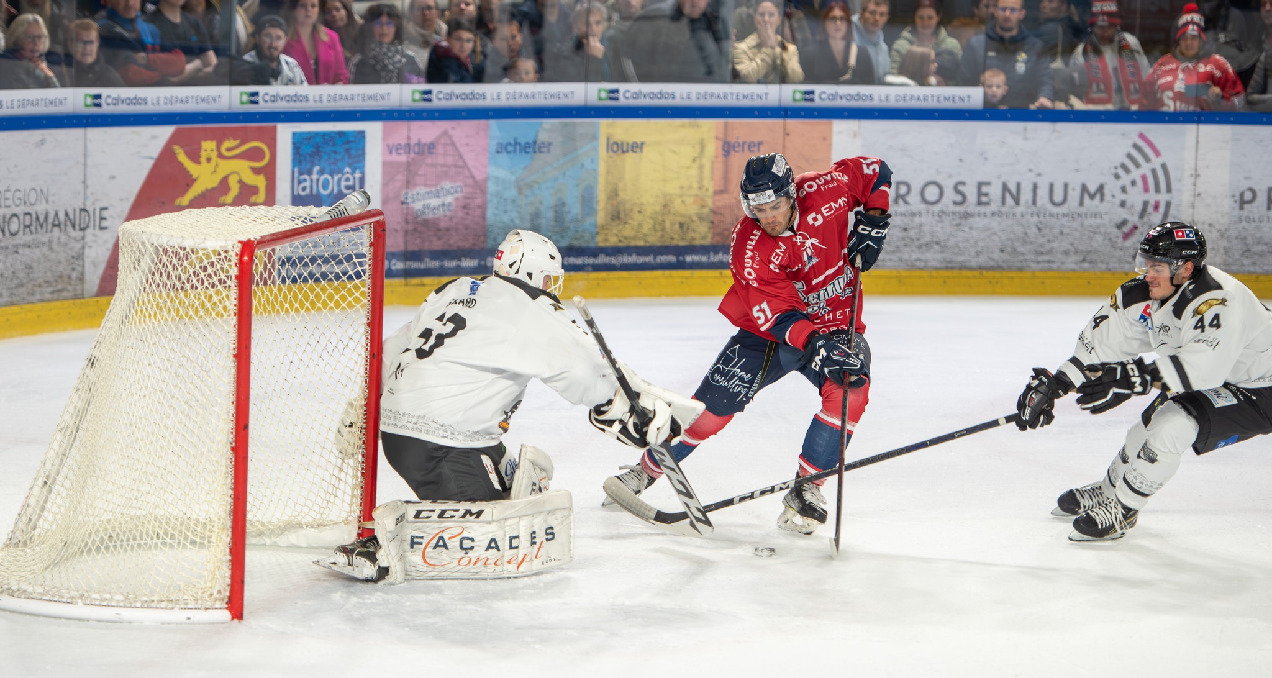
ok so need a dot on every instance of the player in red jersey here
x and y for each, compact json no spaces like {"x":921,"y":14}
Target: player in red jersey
{"x":792,"y":299}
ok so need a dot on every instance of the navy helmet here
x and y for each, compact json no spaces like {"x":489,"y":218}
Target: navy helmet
{"x":765,"y":179}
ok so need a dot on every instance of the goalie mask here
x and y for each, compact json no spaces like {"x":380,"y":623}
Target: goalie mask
{"x":1173,"y":243}
{"x":528,"y":256}
{"x":765,"y":179}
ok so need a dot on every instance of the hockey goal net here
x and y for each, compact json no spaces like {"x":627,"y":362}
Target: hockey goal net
{"x":230,"y":396}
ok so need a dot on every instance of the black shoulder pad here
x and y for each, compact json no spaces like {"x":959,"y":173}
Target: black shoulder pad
{"x":1201,"y":283}
{"x":530,"y":290}
{"x":1134,"y":291}
{"x":444,"y":285}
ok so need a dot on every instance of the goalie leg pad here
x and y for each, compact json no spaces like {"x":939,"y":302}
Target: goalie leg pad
{"x":533,"y":475}
{"x":476,"y":540}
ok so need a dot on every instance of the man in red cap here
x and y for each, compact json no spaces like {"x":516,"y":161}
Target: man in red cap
{"x":1192,"y":77}
{"x":1109,"y":69}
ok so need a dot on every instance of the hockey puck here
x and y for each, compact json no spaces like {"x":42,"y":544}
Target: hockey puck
{"x":765,"y":551}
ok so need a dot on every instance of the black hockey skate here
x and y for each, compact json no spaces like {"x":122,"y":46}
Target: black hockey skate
{"x":1107,"y":521}
{"x":803,"y":509}
{"x":359,"y":560}
{"x":633,"y":478}
{"x":1079,"y":500}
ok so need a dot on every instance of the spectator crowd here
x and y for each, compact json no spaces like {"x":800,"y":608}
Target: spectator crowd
{"x":1039,"y":54}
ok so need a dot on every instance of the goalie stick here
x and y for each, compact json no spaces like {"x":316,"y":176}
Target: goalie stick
{"x":693,"y":520}
{"x":674,"y":521}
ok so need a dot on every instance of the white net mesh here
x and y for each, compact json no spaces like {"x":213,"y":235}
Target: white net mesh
{"x":131,"y":505}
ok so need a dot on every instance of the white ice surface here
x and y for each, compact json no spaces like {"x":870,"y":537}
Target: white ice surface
{"x":951,"y":565}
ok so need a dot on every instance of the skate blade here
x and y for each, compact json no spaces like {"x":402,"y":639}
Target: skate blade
{"x":1060,"y":513}
{"x":1079,"y":537}
{"x":363,"y":573}
{"x":794,"y":522}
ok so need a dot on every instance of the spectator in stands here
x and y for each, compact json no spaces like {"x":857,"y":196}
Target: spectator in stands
{"x":523,"y":69}
{"x":382,"y":60}
{"x":506,"y":46}
{"x":867,"y":33}
{"x":1059,"y":31}
{"x":424,"y":28}
{"x":548,"y":22}
{"x":918,"y":68}
{"x":463,"y":9}
{"x":680,"y":41}
{"x":1233,"y":34}
{"x":1006,"y":46}
{"x":57,"y":18}
{"x":131,"y":46}
{"x":208,"y":13}
{"x":338,"y":15}
{"x":834,"y":58}
{"x":315,"y":47}
{"x":84,"y":66}
{"x":962,"y":28}
{"x":271,"y":36}
{"x":764,"y":56}
{"x":181,"y":31}
{"x":622,"y":14}
{"x":23,"y":64}
{"x":1109,"y":69}
{"x":926,"y":31}
{"x":1260,"y":91}
{"x":994,"y":82}
{"x":451,"y":59}
{"x":1193,"y":77}
{"x":581,"y":58}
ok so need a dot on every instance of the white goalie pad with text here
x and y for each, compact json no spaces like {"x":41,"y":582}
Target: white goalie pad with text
{"x":475,"y":540}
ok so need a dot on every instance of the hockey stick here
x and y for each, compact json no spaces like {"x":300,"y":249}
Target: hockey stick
{"x":696,"y":518}
{"x":674,"y":522}
{"x":843,"y":418}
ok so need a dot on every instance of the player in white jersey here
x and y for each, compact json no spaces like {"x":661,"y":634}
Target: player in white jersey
{"x":1213,"y":340}
{"x":455,"y":374}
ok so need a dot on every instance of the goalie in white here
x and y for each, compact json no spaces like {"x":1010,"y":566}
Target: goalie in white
{"x":454,"y":375}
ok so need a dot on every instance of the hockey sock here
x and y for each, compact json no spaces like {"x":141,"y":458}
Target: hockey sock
{"x":821,"y":442}
{"x":705,"y":426}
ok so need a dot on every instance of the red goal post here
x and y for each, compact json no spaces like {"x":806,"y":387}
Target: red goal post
{"x":230,"y":397}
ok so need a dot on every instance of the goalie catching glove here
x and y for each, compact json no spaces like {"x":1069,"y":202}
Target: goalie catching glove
{"x":868,"y":232}
{"x":660,"y":416}
{"x":1111,"y":384}
{"x":830,"y":355}
{"x":1036,"y":405}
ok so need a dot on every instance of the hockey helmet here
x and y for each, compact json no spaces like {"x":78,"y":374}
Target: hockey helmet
{"x":528,"y":256}
{"x":1173,"y":243}
{"x":765,"y":179}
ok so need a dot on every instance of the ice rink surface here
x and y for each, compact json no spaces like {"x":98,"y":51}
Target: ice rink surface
{"x":951,"y":564}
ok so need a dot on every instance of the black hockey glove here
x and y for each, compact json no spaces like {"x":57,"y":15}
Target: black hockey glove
{"x":1036,"y":405}
{"x":1111,"y":384}
{"x":828,"y":354}
{"x":868,"y":232}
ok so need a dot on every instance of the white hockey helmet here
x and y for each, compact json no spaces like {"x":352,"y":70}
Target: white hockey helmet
{"x":528,"y":256}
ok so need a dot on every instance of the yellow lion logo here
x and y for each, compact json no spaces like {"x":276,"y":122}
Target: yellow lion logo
{"x":214,"y":167}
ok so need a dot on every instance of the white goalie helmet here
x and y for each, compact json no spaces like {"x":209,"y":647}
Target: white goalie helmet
{"x":528,"y":256}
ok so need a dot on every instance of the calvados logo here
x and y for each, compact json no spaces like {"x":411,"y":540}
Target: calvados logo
{"x":249,"y":98}
{"x":607,"y":94}
{"x":421,"y":96}
{"x":806,"y":96}
{"x":220,"y":164}
{"x":92,"y":100}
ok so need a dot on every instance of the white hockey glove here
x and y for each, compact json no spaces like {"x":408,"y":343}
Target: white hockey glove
{"x":637,"y":427}
{"x":1111,"y":384}
{"x":671,"y":413}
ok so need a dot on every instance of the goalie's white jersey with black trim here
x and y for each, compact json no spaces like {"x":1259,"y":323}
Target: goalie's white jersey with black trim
{"x":457,"y":371}
{"x":1212,"y":331}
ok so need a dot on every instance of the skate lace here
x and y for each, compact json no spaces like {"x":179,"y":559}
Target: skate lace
{"x":812,"y":495}
{"x":1108,"y":514}
{"x":634,"y":477}
{"x":1090,"y":496}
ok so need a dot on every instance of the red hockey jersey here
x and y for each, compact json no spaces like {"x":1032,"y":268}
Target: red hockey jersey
{"x":1184,"y":85}
{"x":805,"y":270}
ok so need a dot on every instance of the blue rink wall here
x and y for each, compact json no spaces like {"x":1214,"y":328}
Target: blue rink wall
{"x":641,"y":200}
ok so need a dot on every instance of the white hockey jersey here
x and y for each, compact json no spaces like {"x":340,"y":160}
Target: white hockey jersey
{"x":1212,"y":331}
{"x":455,"y":374}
